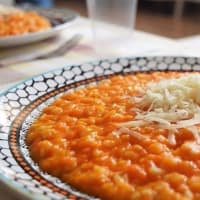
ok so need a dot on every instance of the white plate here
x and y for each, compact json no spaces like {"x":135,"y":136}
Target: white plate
{"x":60,"y":19}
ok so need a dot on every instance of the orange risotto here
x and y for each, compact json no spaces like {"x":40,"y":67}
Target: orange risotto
{"x":77,"y":139}
{"x":18,"y":23}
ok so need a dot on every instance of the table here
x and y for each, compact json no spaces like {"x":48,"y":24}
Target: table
{"x":143,"y":44}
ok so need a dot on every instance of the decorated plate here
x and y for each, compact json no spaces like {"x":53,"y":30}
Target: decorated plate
{"x":22,"y":104}
{"x":60,"y":19}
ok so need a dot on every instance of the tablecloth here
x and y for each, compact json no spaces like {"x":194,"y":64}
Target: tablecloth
{"x":138,"y":43}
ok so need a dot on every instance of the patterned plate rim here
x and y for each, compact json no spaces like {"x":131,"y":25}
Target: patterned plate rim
{"x":44,"y":34}
{"x":3,"y":91}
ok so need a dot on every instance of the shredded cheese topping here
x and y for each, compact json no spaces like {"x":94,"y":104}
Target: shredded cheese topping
{"x":170,"y":104}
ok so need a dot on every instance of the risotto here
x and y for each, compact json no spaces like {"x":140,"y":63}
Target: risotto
{"x":18,"y":23}
{"x":85,"y":139}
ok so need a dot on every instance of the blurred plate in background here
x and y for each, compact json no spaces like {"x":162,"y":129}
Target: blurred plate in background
{"x":59,"y":18}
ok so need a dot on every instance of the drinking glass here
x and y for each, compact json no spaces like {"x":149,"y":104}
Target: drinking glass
{"x":112,"y":21}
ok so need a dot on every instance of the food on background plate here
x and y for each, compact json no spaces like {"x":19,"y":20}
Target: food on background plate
{"x":130,"y":137}
{"x":18,"y":22}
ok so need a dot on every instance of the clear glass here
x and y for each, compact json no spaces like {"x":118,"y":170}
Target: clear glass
{"x":112,"y":21}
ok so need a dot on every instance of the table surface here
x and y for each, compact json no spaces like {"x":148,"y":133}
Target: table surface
{"x":137,"y":44}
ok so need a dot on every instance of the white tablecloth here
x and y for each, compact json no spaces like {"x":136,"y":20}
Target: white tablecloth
{"x":138,"y":43}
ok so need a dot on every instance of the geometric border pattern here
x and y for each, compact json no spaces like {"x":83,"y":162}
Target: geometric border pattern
{"x":16,"y":127}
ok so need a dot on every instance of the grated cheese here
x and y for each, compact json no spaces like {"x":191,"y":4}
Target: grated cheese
{"x":192,"y":147}
{"x":169,"y":104}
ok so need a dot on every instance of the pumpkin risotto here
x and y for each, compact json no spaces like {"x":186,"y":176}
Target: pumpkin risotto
{"x":19,"y":22}
{"x":124,"y":138}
